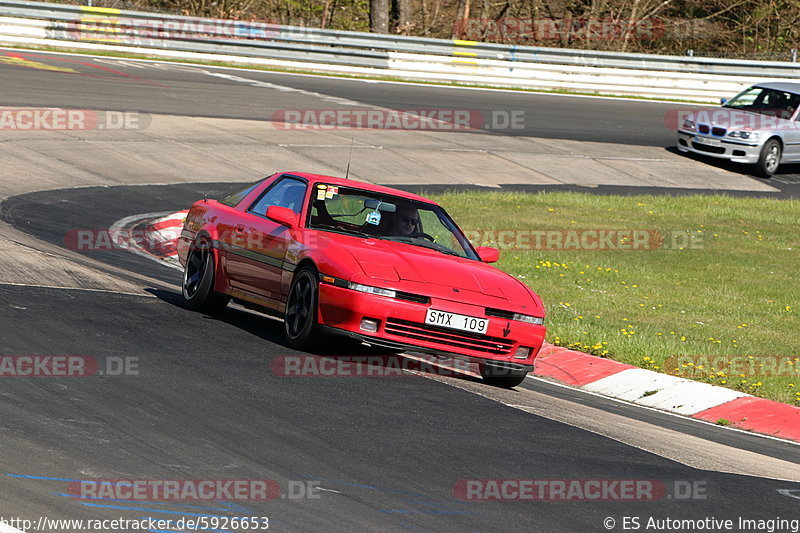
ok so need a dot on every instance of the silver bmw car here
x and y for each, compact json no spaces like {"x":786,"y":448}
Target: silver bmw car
{"x":757,"y":126}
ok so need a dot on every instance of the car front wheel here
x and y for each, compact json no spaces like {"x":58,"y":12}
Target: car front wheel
{"x":769,"y":159}
{"x":300,"y":317}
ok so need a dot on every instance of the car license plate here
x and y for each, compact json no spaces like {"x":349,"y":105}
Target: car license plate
{"x":455,"y":321}
{"x":707,"y":141}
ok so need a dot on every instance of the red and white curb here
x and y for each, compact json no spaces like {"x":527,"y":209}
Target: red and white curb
{"x":576,"y":369}
{"x":162,"y":231}
{"x":668,"y":393}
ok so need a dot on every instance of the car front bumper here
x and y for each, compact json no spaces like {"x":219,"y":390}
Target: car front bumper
{"x":401,"y":325}
{"x":736,"y":151}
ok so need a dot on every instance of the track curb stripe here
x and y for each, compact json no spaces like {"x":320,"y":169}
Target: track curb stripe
{"x":759,"y":415}
{"x":698,"y":400}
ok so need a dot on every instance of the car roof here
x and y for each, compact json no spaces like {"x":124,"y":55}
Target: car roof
{"x":342,"y":182}
{"x":787,"y":86}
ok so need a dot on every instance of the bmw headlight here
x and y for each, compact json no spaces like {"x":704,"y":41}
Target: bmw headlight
{"x":529,"y":319}
{"x":744,"y":134}
{"x":371,"y":290}
{"x":688,"y":125}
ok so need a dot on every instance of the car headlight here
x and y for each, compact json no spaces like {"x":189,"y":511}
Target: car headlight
{"x":371,"y":290}
{"x":744,"y":134}
{"x":529,"y":319}
{"x":688,"y":125}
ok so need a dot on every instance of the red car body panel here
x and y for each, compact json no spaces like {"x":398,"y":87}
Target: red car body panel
{"x":255,"y":259}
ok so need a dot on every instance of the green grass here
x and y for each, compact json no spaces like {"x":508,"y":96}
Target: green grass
{"x":732,"y":292}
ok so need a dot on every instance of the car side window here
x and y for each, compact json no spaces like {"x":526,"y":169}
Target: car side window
{"x":287,"y":192}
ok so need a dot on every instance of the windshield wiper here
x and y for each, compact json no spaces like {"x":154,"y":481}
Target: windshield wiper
{"x":346,"y":231}
{"x":425,"y":244}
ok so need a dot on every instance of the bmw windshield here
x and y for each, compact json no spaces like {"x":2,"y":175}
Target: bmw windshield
{"x":765,"y":101}
{"x":374,"y":215}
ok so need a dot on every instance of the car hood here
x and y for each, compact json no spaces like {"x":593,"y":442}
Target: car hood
{"x":393,"y":261}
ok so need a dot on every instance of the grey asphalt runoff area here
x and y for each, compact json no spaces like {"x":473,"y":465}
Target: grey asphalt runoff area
{"x":204,"y":404}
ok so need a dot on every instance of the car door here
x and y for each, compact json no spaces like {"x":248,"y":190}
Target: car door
{"x":256,"y":254}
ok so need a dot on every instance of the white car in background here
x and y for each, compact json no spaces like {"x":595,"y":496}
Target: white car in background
{"x":758,"y":126}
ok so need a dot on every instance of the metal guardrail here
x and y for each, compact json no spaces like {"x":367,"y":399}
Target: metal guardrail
{"x":414,"y":57}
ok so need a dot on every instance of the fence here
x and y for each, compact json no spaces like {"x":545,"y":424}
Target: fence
{"x":414,"y":58}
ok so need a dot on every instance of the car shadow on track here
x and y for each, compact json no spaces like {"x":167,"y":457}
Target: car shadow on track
{"x":787,"y":172}
{"x":350,"y":357}
{"x":257,"y":324}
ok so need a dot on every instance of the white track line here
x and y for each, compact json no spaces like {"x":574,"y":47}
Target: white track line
{"x":343,"y":78}
{"x":85,"y":289}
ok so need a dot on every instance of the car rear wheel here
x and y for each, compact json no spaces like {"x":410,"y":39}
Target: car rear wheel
{"x":198,"y":280}
{"x":501,"y":377}
{"x":300,"y":317}
{"x":769,"y":159}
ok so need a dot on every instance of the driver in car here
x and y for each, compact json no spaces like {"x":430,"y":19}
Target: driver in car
{"x":405,"y":222}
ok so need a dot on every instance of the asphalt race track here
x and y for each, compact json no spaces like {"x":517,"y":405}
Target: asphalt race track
{"x":174,"y":89}
{"x":200,"y":400}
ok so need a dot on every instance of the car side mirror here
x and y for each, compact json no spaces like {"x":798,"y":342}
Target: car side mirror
{"x":488,"y":254}
{"x":723,"y":101}
{"x":282,"y":215}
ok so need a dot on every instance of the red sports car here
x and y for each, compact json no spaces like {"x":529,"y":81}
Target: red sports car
{"x":385,"y":267}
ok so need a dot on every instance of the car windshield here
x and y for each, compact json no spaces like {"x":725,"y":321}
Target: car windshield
{"x":765,"y":101}
{"x":381,"y":216}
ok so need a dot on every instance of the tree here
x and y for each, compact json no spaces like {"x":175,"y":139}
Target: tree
{"x":379,"y":16}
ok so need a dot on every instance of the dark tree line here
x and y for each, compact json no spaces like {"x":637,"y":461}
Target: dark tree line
{"x":734,"y":28}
